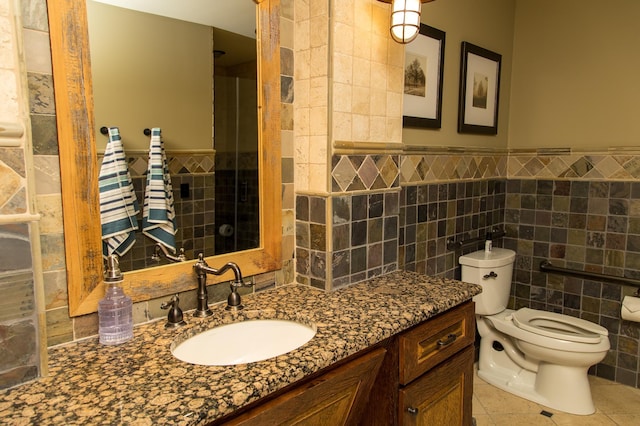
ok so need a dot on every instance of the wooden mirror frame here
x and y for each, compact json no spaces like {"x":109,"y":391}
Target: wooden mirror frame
{"x":79,"y":167}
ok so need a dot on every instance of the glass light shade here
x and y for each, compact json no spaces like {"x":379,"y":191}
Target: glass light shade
{"x":405,"y":20}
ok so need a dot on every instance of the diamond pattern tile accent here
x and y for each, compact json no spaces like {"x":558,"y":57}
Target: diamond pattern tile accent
{"x":437,"y":167}
{"x":368,"y":172}
{"x":534,"y":166}
{"x":10,"y":183}
{"x":582,"y":166}
{"x":557,"y":166}
{"x":389,"y":171}
{"x":633,"y":167}
{"x":178,"y":164}
{"x":423,"y":168}
{"x":344,"y":172}
{"x":408,"y":169}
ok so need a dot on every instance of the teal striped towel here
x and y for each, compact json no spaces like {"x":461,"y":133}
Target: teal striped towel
{"x":158,"y":218}
{"x":118,"y":202}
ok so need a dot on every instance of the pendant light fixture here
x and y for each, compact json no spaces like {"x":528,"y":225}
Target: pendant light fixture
{"x":405,"y":19}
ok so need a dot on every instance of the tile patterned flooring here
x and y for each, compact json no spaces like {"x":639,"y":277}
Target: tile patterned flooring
{"x":616,"y":404}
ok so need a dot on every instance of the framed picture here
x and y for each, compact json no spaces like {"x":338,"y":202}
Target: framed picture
{"x":423,"y":73}
{"x":479,"y":90}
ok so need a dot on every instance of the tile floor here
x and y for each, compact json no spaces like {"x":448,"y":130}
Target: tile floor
{"x":616,"y":404}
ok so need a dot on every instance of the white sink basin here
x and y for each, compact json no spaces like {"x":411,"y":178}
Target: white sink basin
{"x":243,"y":342}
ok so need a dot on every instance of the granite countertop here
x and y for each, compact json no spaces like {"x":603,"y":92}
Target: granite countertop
{"x":141,"y":383}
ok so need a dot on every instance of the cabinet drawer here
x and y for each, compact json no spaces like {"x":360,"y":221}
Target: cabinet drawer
{"x":429,"y":344}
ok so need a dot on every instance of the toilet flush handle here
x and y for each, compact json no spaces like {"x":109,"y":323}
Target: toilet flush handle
{"x":490,"y":275}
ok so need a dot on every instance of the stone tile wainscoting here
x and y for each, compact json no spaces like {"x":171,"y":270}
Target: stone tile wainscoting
{"x":578,"y":211}
{"x":350,"y":235}
{"x":363,"y":241}
{"x":21,"y":353}
{"x":18,"y":315}
{"x":591,"y":225}
{"x":433,"y":213}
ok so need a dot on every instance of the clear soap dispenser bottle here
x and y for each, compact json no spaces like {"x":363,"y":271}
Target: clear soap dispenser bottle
{"x":115,"y":310}
{"x":488,"y":243}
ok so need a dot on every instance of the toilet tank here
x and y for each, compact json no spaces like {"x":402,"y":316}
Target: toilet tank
{"x":492,"y":271}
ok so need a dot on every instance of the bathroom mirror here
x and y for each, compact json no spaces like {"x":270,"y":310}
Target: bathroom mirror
{"x":193,"y":73}
{"x":79,"y":165}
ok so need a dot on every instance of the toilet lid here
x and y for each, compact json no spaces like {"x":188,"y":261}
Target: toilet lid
{"x":558,"y":326}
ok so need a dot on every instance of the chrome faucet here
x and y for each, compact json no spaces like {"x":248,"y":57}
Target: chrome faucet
{"x":234,"y":302}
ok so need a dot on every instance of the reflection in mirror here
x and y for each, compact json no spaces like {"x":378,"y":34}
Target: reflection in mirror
{"x":79,"y":164}
{"x":199,"y":85}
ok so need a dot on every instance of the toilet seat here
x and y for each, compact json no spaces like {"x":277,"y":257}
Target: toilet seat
{"x":558,"y":326}
{"x":503,"y":322}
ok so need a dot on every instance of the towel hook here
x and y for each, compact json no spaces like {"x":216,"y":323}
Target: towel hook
{"x":147,"y":132}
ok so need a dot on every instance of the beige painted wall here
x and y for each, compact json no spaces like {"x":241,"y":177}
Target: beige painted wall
{"x":168,"y":66}
{"x":488,"y":24}
{"x":575,"y":74}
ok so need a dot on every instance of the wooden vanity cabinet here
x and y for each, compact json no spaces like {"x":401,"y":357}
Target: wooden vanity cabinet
{"x":427,"y":375}
{"x":335,"y":398}
{"x":422,"y":376}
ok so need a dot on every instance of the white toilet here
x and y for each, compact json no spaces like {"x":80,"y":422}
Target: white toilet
{"x":537,"y":355}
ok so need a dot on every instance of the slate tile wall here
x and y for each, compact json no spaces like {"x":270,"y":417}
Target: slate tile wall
{"x":431,"y":214}
{"x":591,"y":225}
{"x":363,"y":241}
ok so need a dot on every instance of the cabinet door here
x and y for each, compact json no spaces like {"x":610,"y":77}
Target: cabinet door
{"x":442,"y":396}
{"x":335,"y":398}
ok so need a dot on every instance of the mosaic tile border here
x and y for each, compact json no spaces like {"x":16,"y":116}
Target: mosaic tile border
{"x":356,"y":172}
{"x":587,"y":165}
{"x":416,"y":169}
{"x":364,"y":172}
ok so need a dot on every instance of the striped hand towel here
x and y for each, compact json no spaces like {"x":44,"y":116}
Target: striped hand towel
{"x":118,"y":202}
{"x":158,"y":218}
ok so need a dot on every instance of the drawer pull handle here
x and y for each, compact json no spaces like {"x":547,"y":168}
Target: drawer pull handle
{"x":412,"y":410}
{"x":490,"y":275}
{"x":446,"y":342}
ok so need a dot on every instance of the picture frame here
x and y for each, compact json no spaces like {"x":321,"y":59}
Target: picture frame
{"x":479,"y":90}
{"x":423,"y":77}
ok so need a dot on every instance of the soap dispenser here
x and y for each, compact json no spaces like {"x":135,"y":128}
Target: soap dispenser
{"x":488,"y":243}
{"x":115,"y":310}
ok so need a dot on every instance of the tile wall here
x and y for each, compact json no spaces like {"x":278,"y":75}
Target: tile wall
{"x":448,"y":195}
{"x":558,"y":212}
{"x":584,"y":224}
{"x":20,"y":346}
{"x":432,"y":214}
{"x":362,"y":242}
{"x":18,"y":314}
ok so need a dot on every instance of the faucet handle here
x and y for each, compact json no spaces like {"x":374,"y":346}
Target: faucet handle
{"x":234,"y":301}
{"x":175,"y":318}
{"x":243,"y":283}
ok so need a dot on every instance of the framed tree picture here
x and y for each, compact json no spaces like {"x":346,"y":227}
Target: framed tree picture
{"x":479,"y":90}
{"x":423,"y":74}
